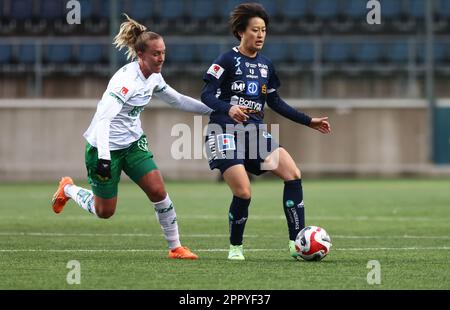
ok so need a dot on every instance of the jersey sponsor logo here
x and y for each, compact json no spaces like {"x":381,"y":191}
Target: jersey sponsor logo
{"x":124,"y":91}
{"x":216,"y":71}
{"x":252,"y":88}
{"x":226,"y":142}
{"x":250,"y":65}
{"x":238,"y":86}
{"x":246,"y":103}
{"x":263,"y":72}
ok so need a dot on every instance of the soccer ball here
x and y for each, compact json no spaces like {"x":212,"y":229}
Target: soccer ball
{"x":312,"y":243}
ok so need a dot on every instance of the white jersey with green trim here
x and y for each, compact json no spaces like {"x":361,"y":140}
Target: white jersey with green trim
{"x":130,"y":92}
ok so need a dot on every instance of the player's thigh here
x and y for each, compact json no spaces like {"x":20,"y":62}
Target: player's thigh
{"x":238,"y":181}
{"x":142,"y":169}
{"x":282,"y":165}
{"x":103,"y":189}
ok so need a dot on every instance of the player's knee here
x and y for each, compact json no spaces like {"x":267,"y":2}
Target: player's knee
{"x":157,"y":193}
{"x":105,"y":213}
{"x":243,"y":193}
{"x":293,"y":174}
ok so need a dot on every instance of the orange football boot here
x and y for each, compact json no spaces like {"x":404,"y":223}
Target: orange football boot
{"x":182,"y":252}
{"x":60,"y":199}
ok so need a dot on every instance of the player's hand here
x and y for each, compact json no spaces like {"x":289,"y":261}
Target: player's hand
{"x":103,"y":169}
{"x":321,"y":124}
{"x":238,"y":114}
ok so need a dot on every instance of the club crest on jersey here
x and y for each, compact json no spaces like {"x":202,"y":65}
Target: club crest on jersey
{"x":226,"y":142}
{"x":252,"y":88}
{"x":216,"y":71}
{"x":124,"y":91}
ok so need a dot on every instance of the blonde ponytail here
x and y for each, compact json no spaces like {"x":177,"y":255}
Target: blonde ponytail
{"x":133,"y":36}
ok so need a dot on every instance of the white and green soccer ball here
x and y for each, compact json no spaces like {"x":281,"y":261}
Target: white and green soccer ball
{"x":313,"y":243}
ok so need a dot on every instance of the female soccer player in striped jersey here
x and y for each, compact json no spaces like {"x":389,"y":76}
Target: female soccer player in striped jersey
{"x":115,"y":139}
{"x":238,"y":84}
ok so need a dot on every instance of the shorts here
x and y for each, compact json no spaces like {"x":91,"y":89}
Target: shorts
{"x":136,"y":161}
{"x":247,"y":145}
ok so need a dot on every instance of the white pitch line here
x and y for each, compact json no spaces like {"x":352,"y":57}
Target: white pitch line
{"x":59,"y":234}
{"x":214,"y":250}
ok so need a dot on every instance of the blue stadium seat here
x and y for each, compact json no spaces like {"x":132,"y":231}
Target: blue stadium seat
{"x":325,"y":8}
{"x":180,"y":52}
{"x":368,"y":52}
{"x":208,"y":52}
{"x":87,"y":9}
{"x":270,"y":6}
{"x":276,"y":51}
{"x":202,"y":9}
{"x":294,"y":8}
{"x":440,"y":51}
{"x":140,"y":10}
{"x":442,"y":8}
{"x":59,"y":53}
{"x":5,"y":53}
{"x":21,"y":9}
{"x":391,"y":9}
{"x":337,"y":52}
{"x":397,"y":52}
{"x":27,"y":53}
{"x":51,"y":9}
{"x":227,"y":6}
{"x":417,"y":8}
{"x":355,"y":9}
{"x":303,"y":52}
{"x":172,"y":9}
{"x":91,"y":53}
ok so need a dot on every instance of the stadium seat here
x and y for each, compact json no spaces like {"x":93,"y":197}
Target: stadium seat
{"x":51,"y":9}
{"x":440,"y":52}
{"x":87,"y":8}
{"x":58,"y":53}
{"x":207,"y":53}
{"x":27,"y":53}
{"x":172,"y":9}
{"x":355,"y":9}
{"x":202,"y":9}
{"x":294,"y":8}
{"x":276,"y":51}
{"x":442,"y":8}
{"x":91,"y":53}
{"x":271,"y":7}
{"x":226,"y":7}
{"x":417,"y":9}
{"x":397,"y":52}
{"x":325,"y":8}
{"x":141,"y":10}
{"x":21,"y":9}
{"x":368,"y":52}
{"x":391,"y":9}
{"x":180,"y":53}
{"x":5,"y":53}
{"x":337,"y":52}
{"x":303,"y":52}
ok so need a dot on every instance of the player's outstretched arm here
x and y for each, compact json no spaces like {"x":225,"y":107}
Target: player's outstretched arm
{"x":182,"y":102}
{"x":321,"y":124}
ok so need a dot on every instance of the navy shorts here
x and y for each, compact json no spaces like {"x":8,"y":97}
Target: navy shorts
{"x":247,"y":145}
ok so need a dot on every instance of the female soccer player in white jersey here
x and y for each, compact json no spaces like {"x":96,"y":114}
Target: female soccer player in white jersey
{"x":245,"y":80}
{"x":115,"y":139}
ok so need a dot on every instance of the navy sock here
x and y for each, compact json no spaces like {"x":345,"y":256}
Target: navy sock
{"x":293,"y":207}
{"x":237,"y":218}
